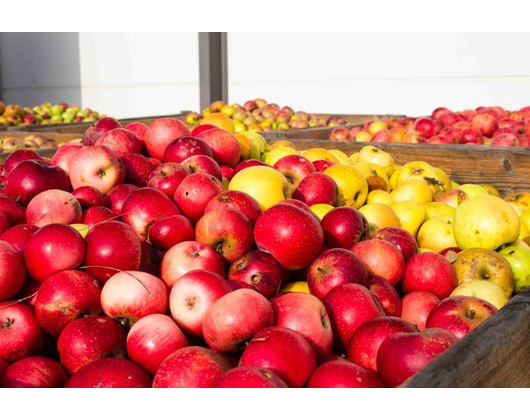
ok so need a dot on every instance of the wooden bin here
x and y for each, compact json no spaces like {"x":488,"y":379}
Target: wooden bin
{"x":58,"y":137}
{"x":496,"y":354}
{"x":80,"y":128}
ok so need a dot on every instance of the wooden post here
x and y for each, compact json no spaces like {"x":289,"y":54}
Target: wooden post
{"x":213,"y":67}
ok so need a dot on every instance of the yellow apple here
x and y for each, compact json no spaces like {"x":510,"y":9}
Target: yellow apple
{"x":257,"y":139}
{"x":341,"y":157}
{"x":411,"y":215}
{"x":413,"y":190}
{"x":245,"y":145}
{"x":472,"y":190}
{"x":354,"y":158}
{"x":422,"y":250}
{"x":525,"y":218}
{"x":440,"y":211}
{"x":278,"y":143}
{"x":318,"y":154}
{"x":455,"y":184}
{"x":437,"y":235}
{"x":239,"y":127}
{"x":363,"y":137}
{"x":524,"y":232}
{"x":378,"y":157}
{"x":276,"y":154}
{"x":394,"y":177}
{"x":220,"y":120}
{"x":380,"y":215}
{"x":419,"y":170}
{"x":297,"y":286}
{"x":520,"y":200}
{"x":491,"y":189}
{"x":81,"y":228}
{"x":266,"y":185}
{"x":321,"y":209}
{"x":352,"y":186}
{"x":484,"y":290}
{"x":226,"y":182}
{"x":443,"y":177}
{"x":375,"y":176}
{"x":485,"y":221}
{"x":377,"y":126}
{"x":379,"y":196}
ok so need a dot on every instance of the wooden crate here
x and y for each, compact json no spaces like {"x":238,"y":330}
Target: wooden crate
{"x":496,"y":354}
{"x":58,"y":137}
{"x":80,"y":128}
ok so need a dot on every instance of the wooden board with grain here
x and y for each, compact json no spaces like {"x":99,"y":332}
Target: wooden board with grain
{"x":496,"y":354}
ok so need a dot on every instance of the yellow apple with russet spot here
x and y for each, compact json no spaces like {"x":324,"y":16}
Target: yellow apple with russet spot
{"x":375,"y":176}
{"x":266,"y":185}
{"x":437,"y":235}
{"x":440,"y":211}
{"x":351,"y":185}
{"x":413,"y":190}
{"x":411,"y":215}
{"x":422,"y":171}
{"x":521,"y":200}
{"x":378,"y":157}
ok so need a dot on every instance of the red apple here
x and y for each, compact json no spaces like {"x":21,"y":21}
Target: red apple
{"x":460,"y":314}
{"x":18,"y":236}
{"x":343,"y":227}
{"x":182,"y":148}
{"x":247,"y":164}
{"x":471,"y":136}
{"x":109,"y":372}
{"x":333,"y":268}
{"x":227,"y":231}
{"x":440,"y":140}
{"x":161,"y":133}
{"x":381,"y":258}
{"x":146,"y":206}
{"x":382,"y":136}
{"x":301,"y":205}
{"x":20,"y":333}
{"x":234,"y":318}
{"x":338,"y":374}
{"x":227,"y":172}
{"x":438,"y":112}
{"x":191,"y":367}
{"x":259,"y":271}
{"x":4,"y":223}
{"x":167,"y":177}
{"x":64,"y":155}
{"x":66,"y":296}
{"x":195,"y":192}
{"x":235,"y":200}
{"x":188,"y":256}
{"x":366,"y":340}
{"x":317,"y":188}
{"x":286,"y":352}
{"x":322,"y":164}
{"x":486,"y":124}
{"x":138,"y":169}
{"x":429,"y":272}
{"x":204,"y":164}
{"x":98,"y":129}
{"x":403,"y":354}
{"x":250,"y":377}
{"x":96,"y":166}
{"x":19,"y":156}
{"x":340,"y":134}
{"x":131,"y":295}
{"x":505,"y":140}
{"x":137,"y":128}
{"x":53,"y":248}
{"x":34,"y":372}
{"x":150,"y":259}
{"x":88,"y":197}
{"x":400,"y":238}
{"x":295,"y":168}
{"x":120,"y":141}
{"x":98,"y":214}
{"x":225,"y":147}
{"x":417,"y":306}
{"x":171,"y":231}
{"x":385,"y":293}
{"x":32,"y":177}
{"x":425,"y":126}
{"x":307,"y":315}
{"x":116,"y":197}
{"x":152,"y":339}
{"x":87,"y":339}
{"x":191,"y":297}
{"x":292,"y":236}
{"x":53,"y":206}
{"x":111,"y":247}
{"x":12,"y":271}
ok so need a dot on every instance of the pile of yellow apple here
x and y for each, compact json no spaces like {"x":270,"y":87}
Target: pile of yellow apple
{"x":469,"y":224}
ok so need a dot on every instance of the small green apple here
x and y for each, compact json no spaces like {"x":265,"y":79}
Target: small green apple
{"x":519,"y":260}
{"x":57,"y":110}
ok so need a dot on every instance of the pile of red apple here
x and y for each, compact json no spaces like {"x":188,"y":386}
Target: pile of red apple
{"x":493,"y":126}
{"x":258,"y":115}
{"x":125,"y":262}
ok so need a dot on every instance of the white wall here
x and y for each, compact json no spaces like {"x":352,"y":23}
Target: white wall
{"x":120,"y":74}
{"x":380,"y":73}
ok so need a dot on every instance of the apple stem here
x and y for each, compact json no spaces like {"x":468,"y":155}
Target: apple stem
{"x":321,"y":270}
{"x":471,"y":313}
{"x":8,"y":323}
{"x":19,"y":300}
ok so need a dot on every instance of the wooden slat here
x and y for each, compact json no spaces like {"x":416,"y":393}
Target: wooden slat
{"x":496,"y":354}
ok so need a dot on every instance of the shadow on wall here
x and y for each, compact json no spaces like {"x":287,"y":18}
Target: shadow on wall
{"x":40,"y":67}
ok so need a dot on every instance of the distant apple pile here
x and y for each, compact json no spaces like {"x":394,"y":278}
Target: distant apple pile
{"x":10,"y":144}
{"x":490,"y":126}
{"x":14,"y":115}
{"x":258,"y":115}
{"x":156,"y":256}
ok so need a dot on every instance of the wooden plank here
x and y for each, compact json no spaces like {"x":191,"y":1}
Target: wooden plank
{"x":496,"y":354}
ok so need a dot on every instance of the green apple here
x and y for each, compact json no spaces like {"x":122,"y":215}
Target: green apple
{"x":57,"y":110}
{"x":519,"y":260}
